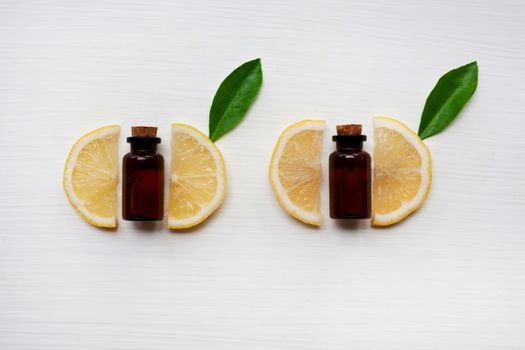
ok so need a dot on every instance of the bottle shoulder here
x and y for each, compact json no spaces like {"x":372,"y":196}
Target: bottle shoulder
{"x":350,"y":154}
{"x":152,"y":157}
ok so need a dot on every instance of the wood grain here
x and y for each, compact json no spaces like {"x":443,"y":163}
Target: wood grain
{"x":452,"y":276}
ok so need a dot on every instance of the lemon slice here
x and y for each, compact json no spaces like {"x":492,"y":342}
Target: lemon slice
{"x":402,"y":172}
{"x":91,"y":176}
{"x":198,"y":177}
{"x":295,"y":170}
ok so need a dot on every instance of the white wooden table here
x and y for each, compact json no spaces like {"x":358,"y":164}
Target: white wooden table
{"x":452,"y":276}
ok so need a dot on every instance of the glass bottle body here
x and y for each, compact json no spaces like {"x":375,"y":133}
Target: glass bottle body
{"x":143,"y":183}
{"x":350,"y":183}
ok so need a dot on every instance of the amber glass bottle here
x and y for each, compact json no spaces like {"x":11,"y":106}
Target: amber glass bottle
{"x":143,"y":177}
{"x":350,"y":175}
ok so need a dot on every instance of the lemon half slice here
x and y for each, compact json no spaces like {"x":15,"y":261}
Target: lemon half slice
{"x":198,"y":177}
{"x":402,"y":172}
{"x":91,"y":176}
{"x":295,"y":170}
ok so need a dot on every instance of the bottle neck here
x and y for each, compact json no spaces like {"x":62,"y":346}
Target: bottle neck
{"x":349,"y":142}
{"x":340,"y":146}
{"x":143,"y":145}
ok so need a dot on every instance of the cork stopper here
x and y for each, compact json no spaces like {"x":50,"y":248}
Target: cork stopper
{"x":349,"y":129}
{"x":143,"y":131}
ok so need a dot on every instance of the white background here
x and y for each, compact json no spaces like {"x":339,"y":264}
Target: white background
{"x":451,"y":276}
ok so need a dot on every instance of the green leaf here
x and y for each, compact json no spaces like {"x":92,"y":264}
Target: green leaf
{"x":234,"y":97}
{"x":449,"y":96}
